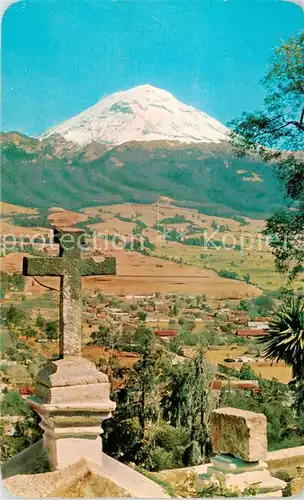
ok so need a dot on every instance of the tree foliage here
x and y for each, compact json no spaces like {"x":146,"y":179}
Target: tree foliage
{"x":51,"y":329}
{"x":276,"y":134}
{"x":11,"y":282}
{"x":13,"y":404}
{"x":15,"y":316}
{"x":284,"y":341}
{"x":274,"y":400}
{"x":162,"y":410}
{"x":26,"y":432}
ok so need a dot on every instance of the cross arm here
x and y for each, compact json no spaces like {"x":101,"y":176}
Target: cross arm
{"x":88,"y":267}
{"x":42,"y":266}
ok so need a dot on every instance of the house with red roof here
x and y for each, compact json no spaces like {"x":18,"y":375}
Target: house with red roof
{"x":166,"y":334}
{"x":250,"y":332}
{"x":252,"y":385}
{"x":26,"y":391}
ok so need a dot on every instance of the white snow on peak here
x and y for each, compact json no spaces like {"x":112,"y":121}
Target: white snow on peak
{"x":143,"y":113}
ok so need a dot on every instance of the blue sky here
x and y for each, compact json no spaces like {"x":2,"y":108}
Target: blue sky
{"x":61,"y":56}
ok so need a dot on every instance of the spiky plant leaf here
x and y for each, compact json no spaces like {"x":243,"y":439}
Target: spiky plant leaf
{"x":284,"y":339}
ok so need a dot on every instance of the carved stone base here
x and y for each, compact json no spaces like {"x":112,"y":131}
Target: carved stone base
{"x":72,"y":399}
{"x":239,"y":475}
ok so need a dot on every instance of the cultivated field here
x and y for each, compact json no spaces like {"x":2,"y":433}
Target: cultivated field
{"x":171,"y":267}
{"x":279,"y":371}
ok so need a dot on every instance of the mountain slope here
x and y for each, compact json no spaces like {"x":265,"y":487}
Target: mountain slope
{"x":143,"y":113}
{"x":203,"y":176}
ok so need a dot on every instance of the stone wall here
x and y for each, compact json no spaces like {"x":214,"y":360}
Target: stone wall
{"x":288,"y":459}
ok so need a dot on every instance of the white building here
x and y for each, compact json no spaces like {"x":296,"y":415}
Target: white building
{"x":259,"y":325}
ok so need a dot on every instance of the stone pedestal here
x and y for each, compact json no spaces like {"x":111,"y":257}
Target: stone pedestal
{"x":72,"y":399}
{"x":239,"y":475}
{"x":240,"y":439}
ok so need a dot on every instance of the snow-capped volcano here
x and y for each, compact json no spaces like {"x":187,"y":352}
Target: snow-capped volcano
{"x":143,"y":113}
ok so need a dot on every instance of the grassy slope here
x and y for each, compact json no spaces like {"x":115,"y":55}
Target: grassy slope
{"x":258,"y":261}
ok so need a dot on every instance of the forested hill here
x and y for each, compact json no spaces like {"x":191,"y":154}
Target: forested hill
{"x":55,"y":172}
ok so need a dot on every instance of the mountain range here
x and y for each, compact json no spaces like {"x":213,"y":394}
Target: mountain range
{"x":135,"y":146}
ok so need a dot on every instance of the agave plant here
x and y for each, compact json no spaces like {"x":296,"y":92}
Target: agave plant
{"x":284,"y":341}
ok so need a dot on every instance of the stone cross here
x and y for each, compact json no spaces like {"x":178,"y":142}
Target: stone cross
{"x":70,"y":268}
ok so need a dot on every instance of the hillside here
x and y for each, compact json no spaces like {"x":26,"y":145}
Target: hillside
{"x":173,"y":258}
{"x":136,"y":146}
{"x":54,"y":172}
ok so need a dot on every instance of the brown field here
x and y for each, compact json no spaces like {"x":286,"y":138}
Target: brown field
{"x":8,"y":209}
{"x":12,"y":262}
{"x":256,"y":258}
{"x":146,"y":274}
{"x":113,"y":226}
{"x":94,"y":353}
{"x":279,"y":371}
{"x":155,"y":212}
{"x":267,"y":370}
{"x":65,"y":217}
{"x":138,"y":274}
{"x":11,"y":229}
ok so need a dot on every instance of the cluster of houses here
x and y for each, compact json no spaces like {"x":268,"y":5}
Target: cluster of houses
{"x":158,"y":309}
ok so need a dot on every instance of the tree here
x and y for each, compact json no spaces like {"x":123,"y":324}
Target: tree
{"x":13,"y":404}
{"x":247,"y":373}
{"x":243,"y":305}
{"x":31,"y":332}
{"x":229,"y":274}
{"x":27,"y":432}
{"x":298,"y":405}
{"x":51,"y":330}
{"x":15,"y":316}
{"x":284,"y":341}
{"x":276,"y":134}
{"x":161,"y":418}
{"x":107,"y":336}
{"x":187,"y":403}
{"x":128,"y":435}
{"x":264,"y":304}
{"x":247,"y":278}
{"x":40,"y":322}
{"x":174,"y":310}
{"x":142,"y":315}
{"x":17,"y":281}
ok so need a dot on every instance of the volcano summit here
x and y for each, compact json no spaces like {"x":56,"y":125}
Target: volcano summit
{"x":143,"y":113}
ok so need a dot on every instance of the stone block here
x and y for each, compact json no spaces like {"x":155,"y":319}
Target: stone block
{"x":262,"y":480}
{"x":240,"y":433}
{"x":231,"y":465}
{"x":65,"y":373}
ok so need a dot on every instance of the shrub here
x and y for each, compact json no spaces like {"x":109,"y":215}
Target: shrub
{"x":159,"y":459}
{"x":177,"y":219}
{"x":40,"y":322}
{"x":13,"y":404}
{"x":247,"y":373}
{"x":229,"y":274}
{"x":24,"y":220}
{"x":15,"y":316}
{"x":51,"y":330}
